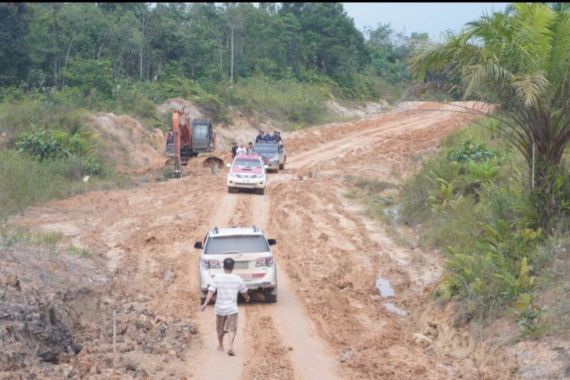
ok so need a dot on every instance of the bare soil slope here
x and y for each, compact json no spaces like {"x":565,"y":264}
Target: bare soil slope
{"x":329,"y":321}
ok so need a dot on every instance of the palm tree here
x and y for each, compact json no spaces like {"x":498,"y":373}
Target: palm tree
{"x":519,"y":61}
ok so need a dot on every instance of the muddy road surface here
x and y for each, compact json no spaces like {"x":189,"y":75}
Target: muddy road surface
{"x":329,"y":322}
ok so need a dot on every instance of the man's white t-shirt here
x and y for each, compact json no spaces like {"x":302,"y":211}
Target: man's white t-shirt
{"x":228,"y":286}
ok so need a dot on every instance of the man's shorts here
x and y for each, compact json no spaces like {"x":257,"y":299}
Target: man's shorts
{"x":226,"y":323}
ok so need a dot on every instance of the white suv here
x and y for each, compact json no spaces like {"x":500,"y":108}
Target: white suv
{"x":251,"y":252}
{"x":247,"y":172}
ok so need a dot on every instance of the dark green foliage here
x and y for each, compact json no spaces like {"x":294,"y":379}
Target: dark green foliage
{"x":471,"y":152}
{"x":94,"y":47}
{"x":90,"y":76}
{"x":13,"y":55}
{"x":42,"y":145}
{"x":52,"y":144}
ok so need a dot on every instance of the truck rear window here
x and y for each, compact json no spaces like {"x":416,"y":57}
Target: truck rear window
{"x":236,"y":244}
{"x":269,"y":148}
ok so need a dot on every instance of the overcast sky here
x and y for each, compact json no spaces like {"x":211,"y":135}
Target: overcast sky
{"x":433,"y":18}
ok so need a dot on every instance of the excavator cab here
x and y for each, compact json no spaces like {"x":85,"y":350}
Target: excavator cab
{"x":202,"y":136}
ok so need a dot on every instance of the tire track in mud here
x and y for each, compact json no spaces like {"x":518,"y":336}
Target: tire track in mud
{"x":256,"y":337}
{"x":291,"y":336}
{"x":268,"y":358}
{"x":206,"y":362}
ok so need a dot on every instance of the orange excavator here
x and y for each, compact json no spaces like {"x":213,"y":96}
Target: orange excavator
{"x":187,"y":139}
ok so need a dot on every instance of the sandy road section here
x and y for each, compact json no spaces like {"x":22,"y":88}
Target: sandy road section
{"x":329,"y":321}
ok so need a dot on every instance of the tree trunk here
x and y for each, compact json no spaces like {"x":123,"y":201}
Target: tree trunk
{"x":65,"y":62}
{"x":100,"y":49}
{"x":141,"y":50}
{"x":546,"y":194}
{"x":55,"y":47}
{"x":232,"y":59}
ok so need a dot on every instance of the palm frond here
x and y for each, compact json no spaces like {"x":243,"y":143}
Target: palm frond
{"x":530,"y":87}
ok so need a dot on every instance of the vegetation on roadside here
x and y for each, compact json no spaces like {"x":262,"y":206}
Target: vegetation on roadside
{"x":496,"y":198}
{"x":519,"y":61}
{"x":470,"y":201}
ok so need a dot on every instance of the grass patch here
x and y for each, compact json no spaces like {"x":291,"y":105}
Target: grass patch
{"x":19,"y":235}
{"x":25,"y":181}
{"x":77,"y":251}
{"x":51,"y":241}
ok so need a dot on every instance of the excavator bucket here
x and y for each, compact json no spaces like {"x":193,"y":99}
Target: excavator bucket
{"x":213,"y":161}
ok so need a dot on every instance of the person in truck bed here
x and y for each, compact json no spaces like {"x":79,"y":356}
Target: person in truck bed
{"x":277,"y":137}
{"x":267,"y":138}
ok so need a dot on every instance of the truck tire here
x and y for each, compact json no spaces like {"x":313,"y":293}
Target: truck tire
{"x":261,"y":191}
{"x":271,"y":298}
{"x":202,"y":300}
{"x":282,"y":166}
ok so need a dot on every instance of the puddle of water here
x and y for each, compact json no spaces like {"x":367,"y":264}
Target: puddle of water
{"x":395,"y":309}
{"x":384,"y":287}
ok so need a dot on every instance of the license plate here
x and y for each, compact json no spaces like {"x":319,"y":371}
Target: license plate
{"x":245,"y":276}
{"x":241,"y":265}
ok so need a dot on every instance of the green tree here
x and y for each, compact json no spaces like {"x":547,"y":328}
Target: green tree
{"x":13,"y":53}
{"x":521,"y":62}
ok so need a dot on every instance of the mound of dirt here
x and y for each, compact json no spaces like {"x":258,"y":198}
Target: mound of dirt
{"x":56,"y":320}
{"x":369,"y":108}
{"x":127,"y":144}
{"x":40,"y":323}
{"x":178,"y":103}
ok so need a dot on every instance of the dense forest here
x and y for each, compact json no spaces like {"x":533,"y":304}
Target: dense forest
{"x":95,"y":46}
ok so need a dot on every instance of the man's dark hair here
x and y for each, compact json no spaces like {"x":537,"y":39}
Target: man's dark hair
{"x":229,"y":263}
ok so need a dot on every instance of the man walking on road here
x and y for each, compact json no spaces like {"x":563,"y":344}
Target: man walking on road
{"x":228,"y":286}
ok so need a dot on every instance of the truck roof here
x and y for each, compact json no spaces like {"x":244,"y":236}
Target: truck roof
{"x":248,"y":156}
{"x":201,"y":121}
{"x":235,"y":231}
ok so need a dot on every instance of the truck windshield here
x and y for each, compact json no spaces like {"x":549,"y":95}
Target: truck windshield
{"x":236,"y":244}
{"x":245,"y":163}
{"x":266,"y":148}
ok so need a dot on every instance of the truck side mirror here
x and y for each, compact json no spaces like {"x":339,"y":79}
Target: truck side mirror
{"x":198,"y":245}
{"x":271,"y":241}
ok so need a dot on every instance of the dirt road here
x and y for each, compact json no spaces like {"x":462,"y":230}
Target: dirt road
{"x":329,"y":321}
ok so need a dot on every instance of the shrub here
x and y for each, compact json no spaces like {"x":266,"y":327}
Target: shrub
{"x":45,"y":144}
{"x":471,"y":152}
